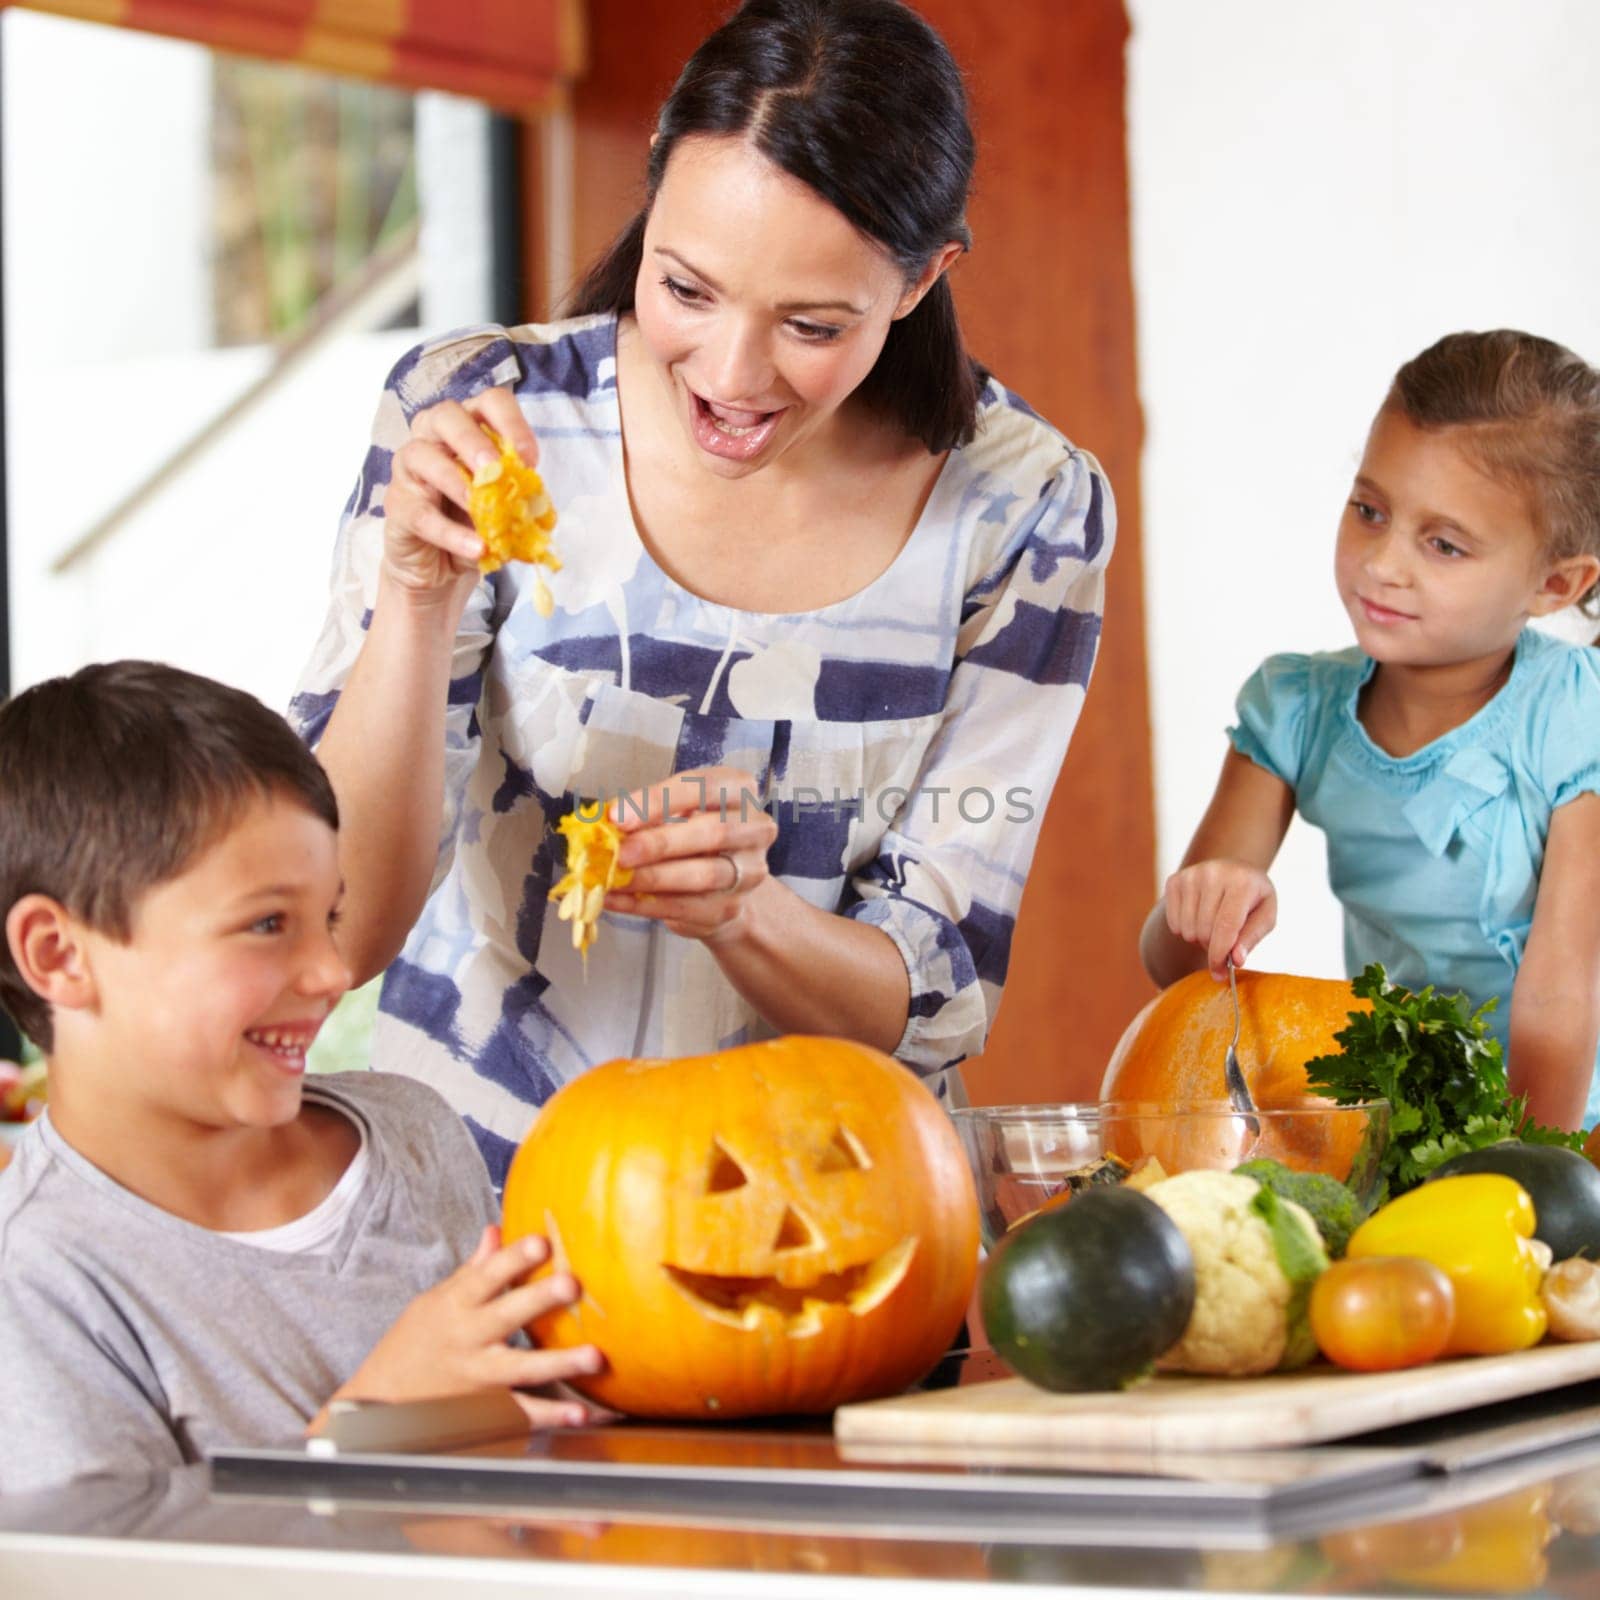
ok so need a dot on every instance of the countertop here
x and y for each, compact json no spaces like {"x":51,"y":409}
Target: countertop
{"x":1508,"y":1502}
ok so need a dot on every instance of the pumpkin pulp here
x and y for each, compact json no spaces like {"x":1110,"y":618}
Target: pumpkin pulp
{"x":1172,"y":1053}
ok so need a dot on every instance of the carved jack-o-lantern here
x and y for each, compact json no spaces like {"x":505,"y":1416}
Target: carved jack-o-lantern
{"x":782,"y":1227}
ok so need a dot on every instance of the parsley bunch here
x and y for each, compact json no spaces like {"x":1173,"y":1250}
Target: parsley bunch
{"x":1439,"y":1068}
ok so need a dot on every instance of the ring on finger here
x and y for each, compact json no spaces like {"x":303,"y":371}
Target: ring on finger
{"x":738,"y":873}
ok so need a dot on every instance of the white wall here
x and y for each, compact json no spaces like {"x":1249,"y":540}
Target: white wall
{"x":110,"y":127}
{"x":1319,"y":191}
{"x":225,"y":571}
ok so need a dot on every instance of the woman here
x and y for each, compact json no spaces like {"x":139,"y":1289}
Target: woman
{"x":811,"y":553}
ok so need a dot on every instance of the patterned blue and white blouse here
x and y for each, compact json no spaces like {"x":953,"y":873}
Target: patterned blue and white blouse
{"x":906,"y":739}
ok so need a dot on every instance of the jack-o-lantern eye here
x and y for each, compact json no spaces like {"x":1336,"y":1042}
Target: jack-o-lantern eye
{"x":844,"y":1153}
{"x":725,"y":1173}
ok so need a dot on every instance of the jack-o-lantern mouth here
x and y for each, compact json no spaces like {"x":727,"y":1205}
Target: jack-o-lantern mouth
{"x":751,"y":1303}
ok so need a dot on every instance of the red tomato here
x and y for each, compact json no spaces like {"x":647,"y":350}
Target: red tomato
{"x":1382,"y":1312}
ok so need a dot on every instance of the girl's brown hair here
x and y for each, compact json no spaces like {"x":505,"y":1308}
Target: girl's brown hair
{"x":1531,"y":409}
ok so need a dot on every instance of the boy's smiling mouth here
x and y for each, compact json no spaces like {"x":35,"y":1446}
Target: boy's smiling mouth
{"x":288,"y":1042}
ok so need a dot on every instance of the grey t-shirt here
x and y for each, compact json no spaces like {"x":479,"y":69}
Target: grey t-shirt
{"x":131,"y":1339}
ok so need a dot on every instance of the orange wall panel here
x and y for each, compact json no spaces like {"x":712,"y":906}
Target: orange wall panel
{"x":636,"y":52}
{"x":1047,"y":299}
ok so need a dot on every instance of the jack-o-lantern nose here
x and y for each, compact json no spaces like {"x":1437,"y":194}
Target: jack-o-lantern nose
{"x":794,"y":1232}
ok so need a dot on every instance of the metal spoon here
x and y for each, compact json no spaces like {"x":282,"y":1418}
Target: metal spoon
{"x":1238,"y":1089}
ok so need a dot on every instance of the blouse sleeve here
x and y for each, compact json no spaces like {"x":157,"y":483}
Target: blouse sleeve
{"x":1567,"y":730}
{"x":948,"y":877}
{"x":451,"y":369}
{"x":1271,"y":707}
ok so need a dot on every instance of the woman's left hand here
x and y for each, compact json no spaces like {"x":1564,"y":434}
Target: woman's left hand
{"x":697,"y":845}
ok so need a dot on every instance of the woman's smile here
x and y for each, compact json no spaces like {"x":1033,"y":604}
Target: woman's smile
{"x":728,"y":432}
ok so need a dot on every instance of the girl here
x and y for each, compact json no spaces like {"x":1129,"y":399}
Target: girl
{"x":811,"y":551}
{"x":1453,"y":756}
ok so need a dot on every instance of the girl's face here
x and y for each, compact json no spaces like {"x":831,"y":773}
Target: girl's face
{"x":1437,"y":563}
{"x":760,"y":308}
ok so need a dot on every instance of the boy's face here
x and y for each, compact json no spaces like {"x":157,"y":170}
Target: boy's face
{"x":229,"y":971}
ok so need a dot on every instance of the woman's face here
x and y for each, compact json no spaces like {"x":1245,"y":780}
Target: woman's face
{"x":760,"y":307}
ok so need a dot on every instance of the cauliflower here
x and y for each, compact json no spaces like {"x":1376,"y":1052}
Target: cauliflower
{"x":1255,"y":1258}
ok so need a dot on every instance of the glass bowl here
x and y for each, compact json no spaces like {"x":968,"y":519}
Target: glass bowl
{"x":1309,"y":1135}
{"x":1023,"y":1157}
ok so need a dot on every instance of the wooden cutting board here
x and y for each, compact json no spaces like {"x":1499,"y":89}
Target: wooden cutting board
{"x":1179,"y":1412}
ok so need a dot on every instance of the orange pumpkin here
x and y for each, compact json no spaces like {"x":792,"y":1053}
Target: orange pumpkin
{"x":1172,"y":1053}
{"x":782,"y":1227}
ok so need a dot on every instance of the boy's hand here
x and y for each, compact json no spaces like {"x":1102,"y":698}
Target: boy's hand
{"x":1227,"y":906}
{"x":452,"y":1338}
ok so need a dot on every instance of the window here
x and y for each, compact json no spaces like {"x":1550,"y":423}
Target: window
{"x":210,"y":265}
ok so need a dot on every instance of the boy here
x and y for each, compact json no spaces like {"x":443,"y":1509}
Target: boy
{"x":197,"y":1247}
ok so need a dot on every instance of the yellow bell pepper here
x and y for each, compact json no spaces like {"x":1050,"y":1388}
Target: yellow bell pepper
{"x":1478,"y":1230}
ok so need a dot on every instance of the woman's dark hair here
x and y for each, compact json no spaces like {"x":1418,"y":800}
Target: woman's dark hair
{"x":1530,"y":411}
{"x":860,"y":100}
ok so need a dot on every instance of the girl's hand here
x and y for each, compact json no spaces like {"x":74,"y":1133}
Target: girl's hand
{"x":698,"y":846}
{"x":429,"y":544}
{"x":452,"y":1338}
{"x":1227,"y":906}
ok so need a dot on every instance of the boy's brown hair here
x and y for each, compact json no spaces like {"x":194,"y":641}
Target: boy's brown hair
{"x":1531,"y":409}
{"x":114,"y":779}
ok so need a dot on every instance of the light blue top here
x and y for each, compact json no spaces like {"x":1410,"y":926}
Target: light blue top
{"x":906,"y":738}
{"x":1435,"y":856}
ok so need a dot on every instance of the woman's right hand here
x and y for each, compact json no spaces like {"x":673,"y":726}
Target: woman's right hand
{"x":429,"y":545}
{"x":1227,"y":906}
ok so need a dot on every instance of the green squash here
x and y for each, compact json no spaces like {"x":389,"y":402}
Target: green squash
{"x":1087,"y":1296}
{"x":1563,"y":1185}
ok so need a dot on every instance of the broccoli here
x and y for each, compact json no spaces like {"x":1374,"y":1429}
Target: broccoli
{"x":1333,"y":1205}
